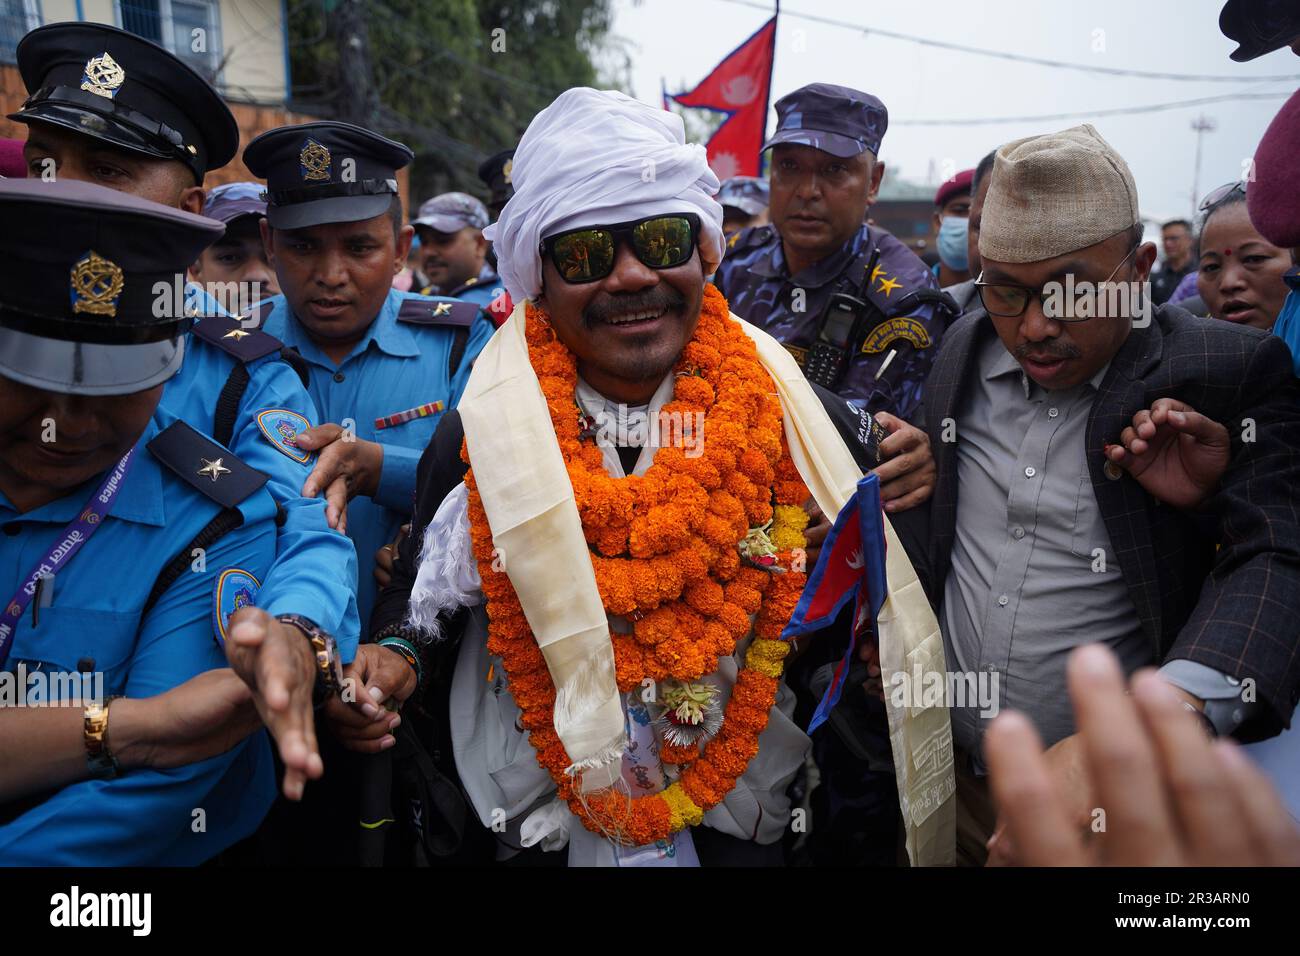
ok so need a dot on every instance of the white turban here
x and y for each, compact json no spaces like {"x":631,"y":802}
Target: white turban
{"x":593,"y":158}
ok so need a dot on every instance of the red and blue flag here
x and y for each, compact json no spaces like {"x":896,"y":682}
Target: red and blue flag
{"x":737,"y":87}
{"x":851,"y":566}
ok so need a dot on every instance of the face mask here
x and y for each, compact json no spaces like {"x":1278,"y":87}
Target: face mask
{"x":952,"y":242}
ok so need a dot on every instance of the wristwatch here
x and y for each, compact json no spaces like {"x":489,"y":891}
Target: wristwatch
{"x":1208,"y":724}
{"x":329,"y":672}
{"x":94,"y":725}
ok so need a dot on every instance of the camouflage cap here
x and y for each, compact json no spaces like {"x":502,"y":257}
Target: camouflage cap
{"x":452,"y":212}
{"x":837,"y":119}
{"x":749,"y":194}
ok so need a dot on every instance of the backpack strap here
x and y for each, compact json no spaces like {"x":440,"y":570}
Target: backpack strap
{"x":227,"y":520}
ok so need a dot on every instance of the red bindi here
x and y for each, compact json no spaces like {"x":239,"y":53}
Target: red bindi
{"x":1227,"y":252}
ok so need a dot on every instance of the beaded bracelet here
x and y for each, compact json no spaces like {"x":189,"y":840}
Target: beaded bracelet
{"x":408,"y":651}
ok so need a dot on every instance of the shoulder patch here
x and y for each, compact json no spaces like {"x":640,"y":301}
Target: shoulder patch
{"x":281,"y":428}
{"x":438,"y":312}
{"x":235,"y":589}
{"x":205,"y":466}
{"x":230,"y":336}
{"x":891,"y":330}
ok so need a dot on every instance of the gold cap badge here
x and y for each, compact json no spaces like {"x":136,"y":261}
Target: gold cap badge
{"x":102,"y":76}
{"x":507,"y":168}
{"x":314,"y":161}
{"x":96,"y":284}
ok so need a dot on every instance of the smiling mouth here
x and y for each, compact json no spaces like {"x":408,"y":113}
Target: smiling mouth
{"x":634,"y":318}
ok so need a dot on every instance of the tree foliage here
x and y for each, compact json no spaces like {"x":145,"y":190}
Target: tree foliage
{"x":456,"y":80}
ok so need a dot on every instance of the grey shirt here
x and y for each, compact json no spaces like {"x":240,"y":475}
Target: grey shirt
{"x":1033,"y":572}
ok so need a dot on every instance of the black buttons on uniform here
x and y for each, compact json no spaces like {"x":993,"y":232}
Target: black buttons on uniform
{"x":339,"y":376}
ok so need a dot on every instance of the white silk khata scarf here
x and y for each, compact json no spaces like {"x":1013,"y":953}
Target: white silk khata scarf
{"x":538,"y":535}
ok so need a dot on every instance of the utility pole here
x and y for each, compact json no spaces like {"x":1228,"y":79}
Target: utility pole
{"x":358,"y":100}
{"x":1202,"y":125}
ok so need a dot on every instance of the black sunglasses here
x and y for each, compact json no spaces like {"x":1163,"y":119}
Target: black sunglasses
{"x":588,"y":254}
{"x":1216,"y":196}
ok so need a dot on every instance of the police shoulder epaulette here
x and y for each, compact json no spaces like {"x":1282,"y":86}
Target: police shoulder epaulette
{"x":205,"y":466}
{"x":230,"y":335}
{"x":430,"y":311}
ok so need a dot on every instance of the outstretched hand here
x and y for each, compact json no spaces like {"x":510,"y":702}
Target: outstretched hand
{"x":1175,"y":453}
{"x":346,"y":466}
{"x":275,"y":660}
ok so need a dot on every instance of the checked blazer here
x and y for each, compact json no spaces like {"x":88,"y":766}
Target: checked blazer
{"x":1219,"y":586}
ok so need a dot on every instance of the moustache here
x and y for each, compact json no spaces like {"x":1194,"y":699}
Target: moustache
{"x":659,"y":299}
{"x":1059,"y":350}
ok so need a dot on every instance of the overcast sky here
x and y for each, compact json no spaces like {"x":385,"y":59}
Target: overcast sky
{"x":681,"y":40}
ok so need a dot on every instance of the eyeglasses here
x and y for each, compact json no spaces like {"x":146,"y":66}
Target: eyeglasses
{"x":1216,"y":196}
{"x":1010,"y":301}
{"x":587,"y":255}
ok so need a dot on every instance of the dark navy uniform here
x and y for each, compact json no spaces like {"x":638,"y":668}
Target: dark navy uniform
{"x":881,"y":344}
{"x":888,"y":368}
{"x":104,"y":579}
{"x":236,"y":385}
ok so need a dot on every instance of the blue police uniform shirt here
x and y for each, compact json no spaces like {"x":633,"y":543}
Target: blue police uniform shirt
{"x":142,"y":817}
{"x":484,"y":289}
{"x":315,"y":569}
{"x":888,"y":371}
{"x":399,"y":366}
{"x":1287,"y":326}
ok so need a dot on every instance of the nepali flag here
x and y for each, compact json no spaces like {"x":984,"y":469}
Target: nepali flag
{"x":738,"y":87}
{"x":851,"y":565}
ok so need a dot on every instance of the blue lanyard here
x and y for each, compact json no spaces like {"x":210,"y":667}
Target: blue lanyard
{"x":77,"y":533}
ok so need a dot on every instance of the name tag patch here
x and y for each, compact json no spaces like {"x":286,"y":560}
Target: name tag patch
{"x":281,"y":428}
{"x":236,"y":588}
{"x":891,"y":330}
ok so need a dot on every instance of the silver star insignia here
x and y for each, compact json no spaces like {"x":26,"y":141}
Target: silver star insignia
{"x":236,"y":334}
{"x":442,"y":308}
{"x":213,"y":469}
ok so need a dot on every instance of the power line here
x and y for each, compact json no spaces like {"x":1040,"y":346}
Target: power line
{"x":1018,"y":57}
{"x":1086,"y":114}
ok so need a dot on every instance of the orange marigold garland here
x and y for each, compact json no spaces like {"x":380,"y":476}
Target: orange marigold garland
{"x":666,"y":548}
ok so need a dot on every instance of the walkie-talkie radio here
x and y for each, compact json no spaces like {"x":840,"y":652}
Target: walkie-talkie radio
{"x":839,"y":333}
{"x":828,"y":359}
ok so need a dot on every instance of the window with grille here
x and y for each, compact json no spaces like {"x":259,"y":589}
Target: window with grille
{"x":16,"y":18}
{"x":188,"y":28}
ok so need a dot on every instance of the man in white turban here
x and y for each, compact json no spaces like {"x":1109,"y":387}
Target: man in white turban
{"x":630,"y":538}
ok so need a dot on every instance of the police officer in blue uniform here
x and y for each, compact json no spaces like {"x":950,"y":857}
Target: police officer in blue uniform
{"x":129,"y":541}
{"x":858,"y":310}
{"x":450,"y":230}
{"x":109,"y":107}
{"x":495,"y":173}
{"x":744,"y":201}
{"x":384,"y":365}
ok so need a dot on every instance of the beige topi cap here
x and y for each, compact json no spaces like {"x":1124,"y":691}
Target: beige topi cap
{"x":1053,"y":194}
